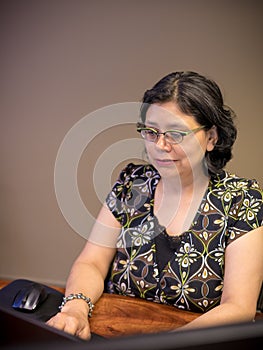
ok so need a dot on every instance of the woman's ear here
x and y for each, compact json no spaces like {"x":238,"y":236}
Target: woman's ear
{"x":212,"y":138}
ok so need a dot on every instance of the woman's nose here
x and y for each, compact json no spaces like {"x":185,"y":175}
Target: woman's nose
{"x":163,"y":144}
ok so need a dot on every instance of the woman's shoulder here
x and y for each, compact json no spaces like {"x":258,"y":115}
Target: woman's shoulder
{"x":241,"y":201}
{"x":232,"y":182}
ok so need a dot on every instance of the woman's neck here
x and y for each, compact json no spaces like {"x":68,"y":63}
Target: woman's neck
{"x":176,"y":202}
{"x":186,"y":183}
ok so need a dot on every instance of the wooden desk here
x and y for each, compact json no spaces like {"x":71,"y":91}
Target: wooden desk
{"x":116,"y":315}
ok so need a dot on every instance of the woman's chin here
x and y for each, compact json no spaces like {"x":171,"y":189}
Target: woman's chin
{"x":168,"y":170}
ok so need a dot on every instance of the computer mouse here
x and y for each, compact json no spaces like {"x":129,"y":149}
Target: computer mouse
{"x":30,"y":297}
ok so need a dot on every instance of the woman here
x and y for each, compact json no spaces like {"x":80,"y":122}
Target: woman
{"x":178,"y":230}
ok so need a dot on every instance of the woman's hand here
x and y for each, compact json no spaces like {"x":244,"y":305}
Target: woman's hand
{"x":87,"y":276}
{"x":74,"y":322}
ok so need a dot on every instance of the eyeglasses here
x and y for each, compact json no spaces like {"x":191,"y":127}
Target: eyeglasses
{"x":171,"y":136}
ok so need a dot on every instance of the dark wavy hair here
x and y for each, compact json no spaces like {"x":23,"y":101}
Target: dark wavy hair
{"x":200,"y":97}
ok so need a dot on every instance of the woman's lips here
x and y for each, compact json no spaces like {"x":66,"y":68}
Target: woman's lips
{"x":165,"y":162}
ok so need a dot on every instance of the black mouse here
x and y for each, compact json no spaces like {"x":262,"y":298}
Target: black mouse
{"x":30,"y":297}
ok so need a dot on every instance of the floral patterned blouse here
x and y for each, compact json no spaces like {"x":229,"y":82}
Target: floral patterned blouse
{"x":185,"y":271}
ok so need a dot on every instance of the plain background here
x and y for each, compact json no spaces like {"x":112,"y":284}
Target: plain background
{"x":63,"y":59}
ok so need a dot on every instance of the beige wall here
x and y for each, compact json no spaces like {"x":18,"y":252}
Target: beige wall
{"x":61,"y":60}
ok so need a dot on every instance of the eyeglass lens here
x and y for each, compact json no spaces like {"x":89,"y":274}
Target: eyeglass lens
{"x":172,"y":137}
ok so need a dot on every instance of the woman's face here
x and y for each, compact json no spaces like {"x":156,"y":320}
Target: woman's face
{"x":186,"y":157}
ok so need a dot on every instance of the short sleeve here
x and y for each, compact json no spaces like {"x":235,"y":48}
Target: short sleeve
{"x":246,"y":213}
{"x":120,"y":192}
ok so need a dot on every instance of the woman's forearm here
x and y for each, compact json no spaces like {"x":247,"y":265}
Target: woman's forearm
{"x":220,"y":315}
{"x":85,"y":278}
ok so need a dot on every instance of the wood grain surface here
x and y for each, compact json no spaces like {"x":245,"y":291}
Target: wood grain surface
{"x":116,"y":315}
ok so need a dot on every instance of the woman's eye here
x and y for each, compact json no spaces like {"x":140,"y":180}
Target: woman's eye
{"x":150,"y":132}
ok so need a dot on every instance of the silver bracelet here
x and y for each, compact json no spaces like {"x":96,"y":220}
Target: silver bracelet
{"x":78,"y":296}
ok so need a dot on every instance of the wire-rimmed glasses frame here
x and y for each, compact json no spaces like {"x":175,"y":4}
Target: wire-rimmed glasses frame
{"x":171,"y":136}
